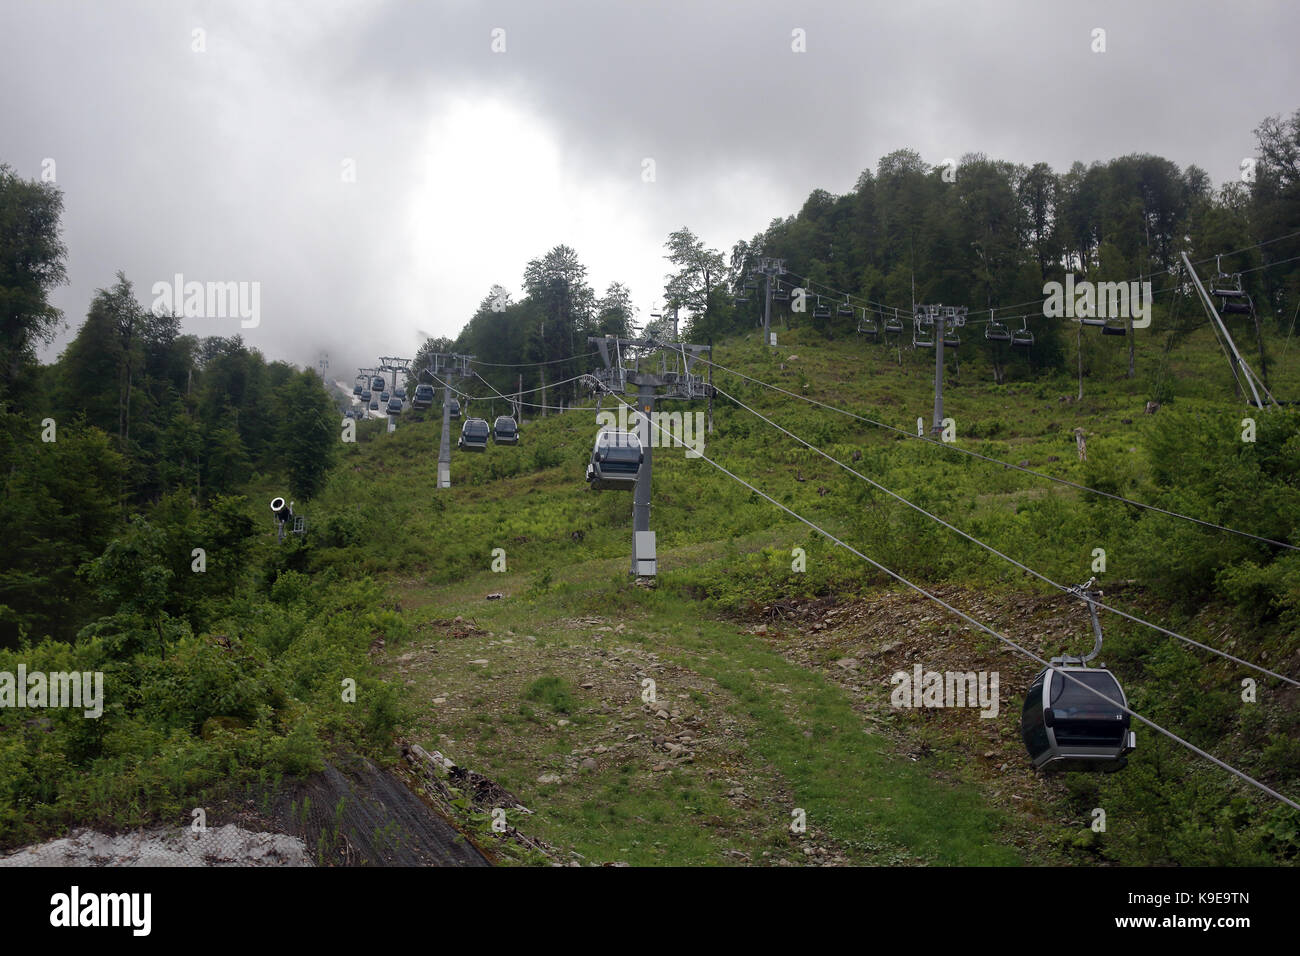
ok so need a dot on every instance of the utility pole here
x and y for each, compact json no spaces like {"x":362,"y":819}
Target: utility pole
{"x":445,"y":366}
{"x":679,"y":383}
{"x":941,"y":320}
{"x":768,"y":267}
{"x":710,"y":385}
{"x":444,"y":445}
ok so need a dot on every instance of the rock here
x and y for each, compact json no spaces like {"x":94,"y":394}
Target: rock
{"x":480,"y":661}
{"x":562,"y":722}
{"x":662,"y":714}
{"x":588,"y":686}
{"x":589,"y":764}
{"x":848,"y":663}
{"x":495,"y":596}
{"x":549,"y":778}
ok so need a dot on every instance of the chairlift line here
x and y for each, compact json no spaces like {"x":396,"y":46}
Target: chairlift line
{"x":996,"y":461}
{"x":1065,"y":675}
{"x":1005,"y":557}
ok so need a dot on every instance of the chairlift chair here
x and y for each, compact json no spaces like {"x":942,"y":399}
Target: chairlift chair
{"x":869,"y":326}
{"x":894,"y":325}
{"x":996,"y":330}
{"x":1233,"y":299}
{"x":922,"y":336}
{"x":1114,"y":327}
{"x":821,"y":311}
{"x":845,"y":309}
{"x":1022,"y":337}
{"x":779,"y":294}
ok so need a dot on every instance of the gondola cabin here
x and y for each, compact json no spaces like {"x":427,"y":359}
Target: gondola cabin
{"x":505,"y":431}
{"x":615,"y":461}
{"x":1074,"y":719}
{"x":453,"y":407}
{"x":394,"y":406}
{"x":423,"y":397}
{"x":473,"y":435}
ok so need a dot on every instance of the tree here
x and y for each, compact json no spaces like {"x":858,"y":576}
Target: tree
{"x":31,"y":266}
{"x":699,"y":271}
{"x":308,"y":434}
{"x":615,"y":312}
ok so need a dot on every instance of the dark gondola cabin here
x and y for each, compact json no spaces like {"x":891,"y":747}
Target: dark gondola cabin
{"x":394,"y":406}
{"x":423,"y":396}
{"x":473,"y":435}
{"x":615,"y":460}
{"x":453,"y":407}
{"x":1066,"y":726}
{"x":505,"y":431}
{"x":377,"y":383}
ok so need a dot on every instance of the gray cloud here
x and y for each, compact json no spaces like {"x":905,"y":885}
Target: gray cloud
{"x":225,"y":165}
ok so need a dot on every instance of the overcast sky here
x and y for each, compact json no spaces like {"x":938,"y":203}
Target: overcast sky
{"x":224,"y":155}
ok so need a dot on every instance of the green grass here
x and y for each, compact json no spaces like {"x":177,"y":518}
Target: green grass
{"x":725,"y":553}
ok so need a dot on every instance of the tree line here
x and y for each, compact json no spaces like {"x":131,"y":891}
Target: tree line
{"x":981,"y":232}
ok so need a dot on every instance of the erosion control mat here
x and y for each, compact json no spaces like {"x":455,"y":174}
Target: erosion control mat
{"x":355,"y":814}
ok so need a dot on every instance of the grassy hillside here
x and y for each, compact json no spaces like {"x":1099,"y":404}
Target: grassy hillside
{"x":771,"y":686}
{"x":776,"y":683}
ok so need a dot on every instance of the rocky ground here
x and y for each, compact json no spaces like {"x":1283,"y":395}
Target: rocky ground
{"x":228,"y":845}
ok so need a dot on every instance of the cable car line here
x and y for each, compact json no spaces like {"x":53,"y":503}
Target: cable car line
{"x":1029,"y":471}
{"x":992,"y":550}
{"x":1040,"y":301}
{"x":531,"y":364}
{"x":984,"y":627}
